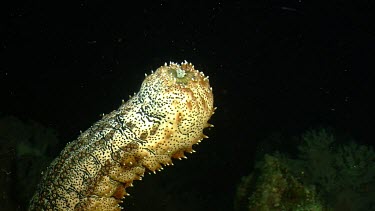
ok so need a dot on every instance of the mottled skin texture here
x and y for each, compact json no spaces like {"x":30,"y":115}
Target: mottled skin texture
{"x":162,"y":121}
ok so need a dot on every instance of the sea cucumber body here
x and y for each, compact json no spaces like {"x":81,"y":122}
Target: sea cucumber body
{"x":162,"y":121}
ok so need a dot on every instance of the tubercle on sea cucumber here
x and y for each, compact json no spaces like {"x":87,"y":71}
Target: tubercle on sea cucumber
{"x":162,"y":121}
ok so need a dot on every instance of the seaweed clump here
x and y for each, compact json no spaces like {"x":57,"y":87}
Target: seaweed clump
{"x":324,"y":175}
{"x":26,"y":148}
{"x":273,"y":187}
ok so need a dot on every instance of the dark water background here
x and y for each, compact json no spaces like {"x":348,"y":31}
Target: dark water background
{"x":276,"y":67}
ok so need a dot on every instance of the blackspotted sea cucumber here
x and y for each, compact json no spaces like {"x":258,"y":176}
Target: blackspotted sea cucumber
{"x":162,"y":121}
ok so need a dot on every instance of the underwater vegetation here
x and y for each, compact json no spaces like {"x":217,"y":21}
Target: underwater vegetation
{"x":277,"y":189}
{"x":324,"y":175}
{"x":25,"y":151}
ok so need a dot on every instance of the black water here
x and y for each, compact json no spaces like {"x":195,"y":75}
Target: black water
{"x":276,"y":67}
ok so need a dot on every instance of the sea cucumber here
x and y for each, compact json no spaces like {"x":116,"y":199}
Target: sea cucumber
{"x":162,"y":121}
